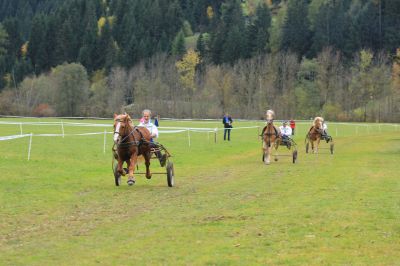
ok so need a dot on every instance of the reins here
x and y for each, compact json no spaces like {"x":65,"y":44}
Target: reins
{"x":123,"y":144}
{"x":268,"y":134}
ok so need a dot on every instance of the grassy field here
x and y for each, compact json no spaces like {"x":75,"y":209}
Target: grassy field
{"x":62,"y":208}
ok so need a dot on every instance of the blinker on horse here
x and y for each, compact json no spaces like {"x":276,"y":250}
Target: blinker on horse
{"x":130,"y":142}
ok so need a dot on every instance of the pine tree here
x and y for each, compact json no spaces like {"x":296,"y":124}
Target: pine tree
{"x":37,"y":51}
{"x":87,"y":49}
{"x":178,"y":45}
{"x":295,"y":33}
{"x":228,"y":40}
{"x":391,"y":23}
{"x":329,"y":27}
{"x":258,"y":31}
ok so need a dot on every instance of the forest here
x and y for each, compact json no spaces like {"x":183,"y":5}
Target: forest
{"x":201,"y":58}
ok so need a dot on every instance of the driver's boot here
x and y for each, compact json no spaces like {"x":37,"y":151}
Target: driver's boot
{"x":163,"y":160}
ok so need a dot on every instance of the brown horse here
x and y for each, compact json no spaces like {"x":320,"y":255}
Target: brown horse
{"x":271,"y":137}
{"x":314,"y":134}
{"x":131,"y":141}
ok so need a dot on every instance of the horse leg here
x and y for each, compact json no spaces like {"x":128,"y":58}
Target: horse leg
{"x":265,"y":151}
{"x":267,"y":156}
{"x":276,"y":145}
{"x":119,"y":167}
{"x":131,"y":167}
{"x":147,"y":156}
{"x":316,"y":146}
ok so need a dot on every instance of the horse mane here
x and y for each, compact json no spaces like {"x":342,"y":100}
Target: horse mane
{"x":317,"y":121}
{"x":270,"y":112}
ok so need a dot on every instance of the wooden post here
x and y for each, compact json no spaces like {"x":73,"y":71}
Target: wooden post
{"x":30,"y":146}
{"x":105,"y":140}
{"x":188,"y":131}
{"x":62,"y":128}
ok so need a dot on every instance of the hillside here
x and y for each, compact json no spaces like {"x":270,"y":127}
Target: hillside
{"x":103,"y":36}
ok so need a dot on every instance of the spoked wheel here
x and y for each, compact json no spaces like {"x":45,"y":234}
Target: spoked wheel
{"x":294,"y":156}
{"x":332,"y":147}
{"x":170,"y":174}
{"x":117,"y":176}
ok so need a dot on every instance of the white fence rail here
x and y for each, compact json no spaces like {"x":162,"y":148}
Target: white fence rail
{"x":164,"y":130}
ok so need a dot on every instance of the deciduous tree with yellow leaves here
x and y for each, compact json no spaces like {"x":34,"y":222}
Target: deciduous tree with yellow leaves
{"x":187,"y":69}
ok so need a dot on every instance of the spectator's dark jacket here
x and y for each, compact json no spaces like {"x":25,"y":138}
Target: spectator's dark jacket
{"x":227,"y":121}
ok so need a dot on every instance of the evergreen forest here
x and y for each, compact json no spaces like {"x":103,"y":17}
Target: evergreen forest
{"x":199,"y":58}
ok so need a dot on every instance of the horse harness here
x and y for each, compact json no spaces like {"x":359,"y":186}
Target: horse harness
{"x":268,"y":134}
{"x":135,"y":142}
{"x":318,"y":131}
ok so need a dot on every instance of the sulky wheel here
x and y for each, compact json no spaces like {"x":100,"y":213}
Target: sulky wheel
{"x":117,"y":176}
{"x":170,"y":174}
{"x":332,"y":148}
{"x":294,"y":156}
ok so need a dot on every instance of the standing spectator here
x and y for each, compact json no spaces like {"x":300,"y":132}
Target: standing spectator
{"x":227,"y":121}
{"x":156,"y":119}
{"x":292,"y":125}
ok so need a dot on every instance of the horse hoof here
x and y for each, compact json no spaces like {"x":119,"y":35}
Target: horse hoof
{"x":148,"y":177}
{"x":276,"y":159}
{"x":266,"y":163}
{"x":131,"y":182}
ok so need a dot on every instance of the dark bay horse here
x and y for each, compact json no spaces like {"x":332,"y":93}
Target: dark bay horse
{"x":131,"y":141}
{"x":271,"y":137}
{"x":314,"y":134}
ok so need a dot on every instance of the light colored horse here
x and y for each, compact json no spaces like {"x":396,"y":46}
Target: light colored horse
{"x":314,"y":134}
{"x":271,"y":137}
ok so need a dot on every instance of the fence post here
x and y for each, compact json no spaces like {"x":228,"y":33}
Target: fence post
{"x":62,"y":128}
{"x":336,"y":131}
{"x":30,"y":145}
{"x":215,"y":135}
{"x":105,"y":139}
{"x":20,"y":128}
{"x":188,"y":131}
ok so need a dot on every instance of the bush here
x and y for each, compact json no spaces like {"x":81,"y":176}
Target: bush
{"x":43,"y":110}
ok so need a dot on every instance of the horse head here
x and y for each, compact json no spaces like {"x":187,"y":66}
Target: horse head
{"x":317,"y":123}
{"x":122,"y":123}
{"x":269,"y":116}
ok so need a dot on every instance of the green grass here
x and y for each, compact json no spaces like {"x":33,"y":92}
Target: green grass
{"x":227,"y":208}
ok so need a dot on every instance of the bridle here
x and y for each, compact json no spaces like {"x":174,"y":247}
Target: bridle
{"x":125,"y":134}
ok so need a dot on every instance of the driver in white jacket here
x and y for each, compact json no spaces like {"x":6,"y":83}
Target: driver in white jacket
{"x":286,"y":133}
{"x":153,"y":133}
